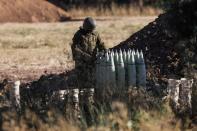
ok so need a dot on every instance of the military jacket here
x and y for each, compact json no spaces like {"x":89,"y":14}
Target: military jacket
{"x":85,"y":45}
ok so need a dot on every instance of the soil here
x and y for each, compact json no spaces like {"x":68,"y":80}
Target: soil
{"x":157,"y":41}
{"x":28,"y":75}
{"x":40,"y":80}
{"x":30,"y":11}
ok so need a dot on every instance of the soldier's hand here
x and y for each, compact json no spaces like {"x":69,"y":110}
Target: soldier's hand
{"x":87,"y":58}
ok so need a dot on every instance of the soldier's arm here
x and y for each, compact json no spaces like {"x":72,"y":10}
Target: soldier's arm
{"x":100,"y":43}
{"x":77,"y":50}
{"x":82,"y":53}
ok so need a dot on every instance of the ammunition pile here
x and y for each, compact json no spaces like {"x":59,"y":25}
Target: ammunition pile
{"x":120,"y":69}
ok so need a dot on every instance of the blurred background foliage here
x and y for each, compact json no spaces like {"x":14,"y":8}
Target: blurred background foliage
{"x":68,"y":4}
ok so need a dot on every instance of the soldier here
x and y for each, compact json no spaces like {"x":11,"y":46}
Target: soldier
{"x":86,"y":43}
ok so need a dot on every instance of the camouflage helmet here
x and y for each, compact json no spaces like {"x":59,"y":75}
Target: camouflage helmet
{"x":89,"y":24}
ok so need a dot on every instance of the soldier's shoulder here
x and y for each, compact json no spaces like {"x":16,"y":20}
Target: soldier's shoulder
{"x":78,"y":33}
{"x":95,"y":33}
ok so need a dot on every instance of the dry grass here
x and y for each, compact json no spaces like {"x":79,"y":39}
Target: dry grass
{"x":124,"y":10}
{"x":141,"y":111}
{"x":119,"y":118}
{"x":47,"y":45}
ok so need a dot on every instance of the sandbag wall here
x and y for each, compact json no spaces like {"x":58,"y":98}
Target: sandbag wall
{"x":120,"y":69}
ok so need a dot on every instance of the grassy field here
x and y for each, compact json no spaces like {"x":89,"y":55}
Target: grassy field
{"x":27,"y":50}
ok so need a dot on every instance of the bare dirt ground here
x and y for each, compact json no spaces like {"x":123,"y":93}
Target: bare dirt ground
{"x":30,"y":11}
{"x":28,"y":51}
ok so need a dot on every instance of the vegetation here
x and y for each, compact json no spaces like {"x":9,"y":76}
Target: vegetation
{"x":67,"y":4}
{"x":137,"y":110}
{"x":79,"y":8}
{"x":141,"y":111}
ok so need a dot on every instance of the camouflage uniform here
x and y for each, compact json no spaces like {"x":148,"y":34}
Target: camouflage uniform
{"x":84,"y":48}
{"x":86,"y":43}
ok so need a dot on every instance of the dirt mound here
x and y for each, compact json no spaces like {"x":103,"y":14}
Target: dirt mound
{"x":30,"y":11}
{"x":157,"y":44}
{"x":53,"y":82}
{"x":165,"y":54}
